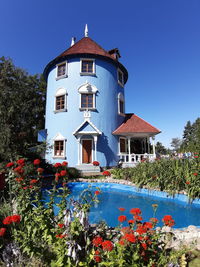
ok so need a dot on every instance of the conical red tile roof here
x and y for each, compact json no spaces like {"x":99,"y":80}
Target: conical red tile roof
{"x":134,"y":124}
{"x":85,"y":46}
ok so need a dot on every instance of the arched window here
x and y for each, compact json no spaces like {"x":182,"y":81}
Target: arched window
{"x":60,"y":100}
{"x":121,"y":109}
{"x":59,"y":146}
{"x":87,"y":96}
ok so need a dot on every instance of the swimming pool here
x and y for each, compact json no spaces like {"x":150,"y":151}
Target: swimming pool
{"x":115,"y":196}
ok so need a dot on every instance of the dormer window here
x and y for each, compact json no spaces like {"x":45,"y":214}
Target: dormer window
{"x":120,"y":77}
{"x":61,"y":70}
{"x":87,"y":67}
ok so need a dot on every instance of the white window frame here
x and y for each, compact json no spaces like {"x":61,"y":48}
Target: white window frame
{"x":121,"y":98}
{"x":88,"y":73}
{"x":59,"y":137}
{"x":87,"y":88}
{"x":66,"y":70}
{"x":60,"y":92}
{"x":119,"y":82}
{"x":125,"y":146}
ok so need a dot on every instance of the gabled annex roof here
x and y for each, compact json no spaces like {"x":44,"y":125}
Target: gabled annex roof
{"x":87,"y":127}
{"x":86,"y":47}
{"x":134,"y":124}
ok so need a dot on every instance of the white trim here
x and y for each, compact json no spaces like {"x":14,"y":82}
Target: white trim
{"x":66,"y":70}
{"x":87,"y":88}
{"x":60,"y":92}
{"x":59,"y":137}
{"x":93,"y":67}
{"x":125,"y":145}
{"x":92,"y":159}
{"x":85,"y":132}
{"x":119,"y":82}
{"x":120,"y":97}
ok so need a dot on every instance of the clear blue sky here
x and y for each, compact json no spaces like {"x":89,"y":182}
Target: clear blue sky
{"x":159,"y":41}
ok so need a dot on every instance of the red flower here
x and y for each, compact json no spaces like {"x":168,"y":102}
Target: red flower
{"x":7,"y":220}
{"x":122,"y":218}
{"x":106,"y":173}
{"x":130,"y":237}
{"x":2,"y":231}
{"x":57,"y":175}
{"x":40,"y":170}
{"x":187,"y":182}
{"x":144,"y":245}
{"x":10,"y":164}
{"x":96,"y":257}
{"x":141,"y":230}
{"x":19,"y":179}
{"x":147,"y":225}
{"x":195,"y":173}
{"x":64,"y":163}
{"x":97,"y":192}
{"x":168,"y":221}
{"x":131,"y":221}
{"x":135,"y":211}
{"x":121,"y":209}
{"x":95,"y":163}
{"x":19,"y":169}
{"x":36,"y":162}
{"x":107,"y":245}
{"x":15,"y":218}
{"x":195,"y":157}
{"x":56,"y":165}
{"x":21,"y":162}
{"x":61,"y":225}
{"x":61,"y":236}
{"x":33,"y":181}
{"x":137,"y":218}
{"x":154,"y":220}
{"x":25,"y":187}
{"x":63,"y":173}
{"x":97,"y":241}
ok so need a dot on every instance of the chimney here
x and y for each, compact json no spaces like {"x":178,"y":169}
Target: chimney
{"x":73,"y":41}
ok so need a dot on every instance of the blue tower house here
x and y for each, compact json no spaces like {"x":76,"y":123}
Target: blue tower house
{"x":85,"y":110}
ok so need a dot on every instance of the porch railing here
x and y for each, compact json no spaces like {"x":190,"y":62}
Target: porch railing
{"x":134,"y":158}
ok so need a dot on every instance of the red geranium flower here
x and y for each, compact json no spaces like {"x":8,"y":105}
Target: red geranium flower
{"x":2,"y":231}
{"x":138,"y":218}
{"x":10,"y":164}
{"x":64,"y":163}
{"x":19,"y":170}
{"x":107,"y":245}
{"x":195,"y":173}
{"x":168,"y":221}
{"x":97,"y":241}
{"x":121,"y":209}
{"x":95,"y":163}
{"x":19,"y":179}
{"x":147,"y":225}
{"x":7,"y":220}
{"x":33,"y":181}
{"x":122,"y":218}
{"x":144,"y":245}
{"x":21,"y":162}
{"x":141,"y":230}
{"x":130,"y":237}
{"x":97,"y":192}
{"x":135,"y":211}
{"x":40,"y":170}
{"x":56,"y":165}
{"x":63,"y":173}
{"x":131,"y":221}
{"x":154,"y":220}
{"x":187,"y":182}
{"x":36,"y":162}
{"x":195,"y":157}
{"x":15,"y":218}
{"x":106,"y":173}
{"x":61,"y":235}
{"x":97,"y":258}
{"x":61,"y":225}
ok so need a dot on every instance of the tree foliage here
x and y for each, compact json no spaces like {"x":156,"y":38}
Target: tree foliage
{"x":176,"y":143}
{"x":161,"y":149}
{"x":22,"y":106}
{"x":191,"y":136}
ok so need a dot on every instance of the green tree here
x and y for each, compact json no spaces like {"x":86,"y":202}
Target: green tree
{"x":176,"y":143}
{"x":160,"y":148}
{"x":22,"y":105}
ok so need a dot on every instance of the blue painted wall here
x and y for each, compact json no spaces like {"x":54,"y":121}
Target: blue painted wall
{"x":105,"y":117}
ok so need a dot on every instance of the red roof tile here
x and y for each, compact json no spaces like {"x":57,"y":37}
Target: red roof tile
{"x":86,"y":46}
{"x":134,"y":124}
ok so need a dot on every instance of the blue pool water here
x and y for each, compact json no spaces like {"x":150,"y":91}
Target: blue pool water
{"x":114,"y":196}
